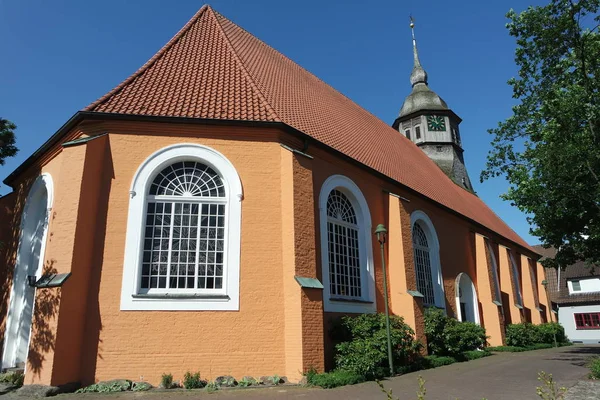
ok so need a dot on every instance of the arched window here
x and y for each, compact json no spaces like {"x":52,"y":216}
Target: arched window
{"x":423,"y":265}
{"x":183,"y":232}
{"x":343,"y":249}
{"x":426,"y":250}
{"x":184,"y":236}
{"x":346,"y":250}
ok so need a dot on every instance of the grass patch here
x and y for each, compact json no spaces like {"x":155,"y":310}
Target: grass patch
{"x":333,"y":379}
{"x":12,"y":378}
{"x":594,"y":366}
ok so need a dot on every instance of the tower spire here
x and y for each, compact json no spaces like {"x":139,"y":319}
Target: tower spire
{"x":418,"y":74}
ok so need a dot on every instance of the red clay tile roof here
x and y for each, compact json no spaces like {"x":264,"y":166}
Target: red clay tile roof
{"x":214,"y":69}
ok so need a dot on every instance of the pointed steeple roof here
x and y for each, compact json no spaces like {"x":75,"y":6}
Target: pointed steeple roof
{"x":213,"y":69}
{"x":421,"y":97}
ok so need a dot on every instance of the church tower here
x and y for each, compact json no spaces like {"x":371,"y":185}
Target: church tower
{"x":427,"y":121}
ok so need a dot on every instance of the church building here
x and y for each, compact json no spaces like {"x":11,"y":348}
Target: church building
{"x":215,"y":212}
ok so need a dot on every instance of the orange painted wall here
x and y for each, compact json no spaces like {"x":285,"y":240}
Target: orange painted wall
{"x":136,"y":344}
{"x":260,"y":338}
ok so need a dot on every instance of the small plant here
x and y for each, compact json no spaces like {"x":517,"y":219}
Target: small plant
{"x":212,"y":386}
{"x":247,"y":381}
{"x":166,"y":381}
{"x":421,"y":393}
{"x":193,"y":381}
{"x":275,"y":379}
{"x":329,"y":380}
{"x":141,"y":386}
{"x":103,"y":388}
{"x":594,"y":366}
{"x":15,"y":379}
{"x":549,"y":390}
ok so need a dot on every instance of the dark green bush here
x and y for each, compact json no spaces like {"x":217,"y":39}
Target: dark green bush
{"x":547,"y":331}
{"x":437,"y":361}
{"x":474,"y":355}
{"x":521,"y":335}
{"x":594,"y":366}
{"x":505,"y":349}
{"x":193,"y":381}
{"x":447,"y":336}
{"x":526,"y":334}
{"x":166,"y":381}
{"x":539,"y":346}
{"x":435,"y":322}
{"x":334,"y":379}
{"x":366,"y":354}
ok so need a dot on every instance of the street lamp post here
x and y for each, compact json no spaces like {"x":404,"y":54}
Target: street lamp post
{"x":545,"y":284}
{"x":381,"y":234}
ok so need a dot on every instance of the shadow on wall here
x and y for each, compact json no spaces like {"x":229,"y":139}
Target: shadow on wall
{"x":42,"y":338}
{"x":11,"y":209}
{"x":92,"y":343}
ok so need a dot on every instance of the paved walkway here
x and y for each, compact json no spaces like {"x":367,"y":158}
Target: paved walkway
{"x":507,"y":376}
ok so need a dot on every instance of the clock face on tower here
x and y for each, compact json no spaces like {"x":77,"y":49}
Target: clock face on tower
{"x":436,"y":123}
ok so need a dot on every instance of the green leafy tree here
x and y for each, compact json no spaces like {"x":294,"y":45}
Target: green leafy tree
{"x":549,"y":149}
{"x":7,"y":140}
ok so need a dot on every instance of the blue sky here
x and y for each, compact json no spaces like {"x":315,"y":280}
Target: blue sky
{"x":58,"y":56}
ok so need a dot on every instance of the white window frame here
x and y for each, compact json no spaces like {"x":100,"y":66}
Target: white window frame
{"x":228,"y":299}
{"x":572,"y":286}
{"x":434,"y":255}
{"x":366,"y":304}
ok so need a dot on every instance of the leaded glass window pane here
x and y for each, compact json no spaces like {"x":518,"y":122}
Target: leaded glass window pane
{"x":423,"y":265}
{"x":184,"y":240}
{"x":343,"y":247}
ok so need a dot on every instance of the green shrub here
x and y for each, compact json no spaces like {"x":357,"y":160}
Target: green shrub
{"x":547,"y":331}
{"x":13,"y":378}
{"x":447,"y":336}
{"x":594,"y":366}
{"x":365,"y":354}
{"x":334,"y":379}
{"x":435,"y":322}
{"x":166,"y":381}
{"x":522,"y":335}
{"x":193,"y":381}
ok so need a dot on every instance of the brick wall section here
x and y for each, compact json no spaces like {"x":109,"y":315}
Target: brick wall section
{"x":306,"y":266}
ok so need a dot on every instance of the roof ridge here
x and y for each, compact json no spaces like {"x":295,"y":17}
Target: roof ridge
{"x":151,"y":61}
{"x":240,"y":63}
{"x":280,"y":54}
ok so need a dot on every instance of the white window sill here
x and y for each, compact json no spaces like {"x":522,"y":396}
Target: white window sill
{"x":179,"y":302}
{"x":359,"y":306}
